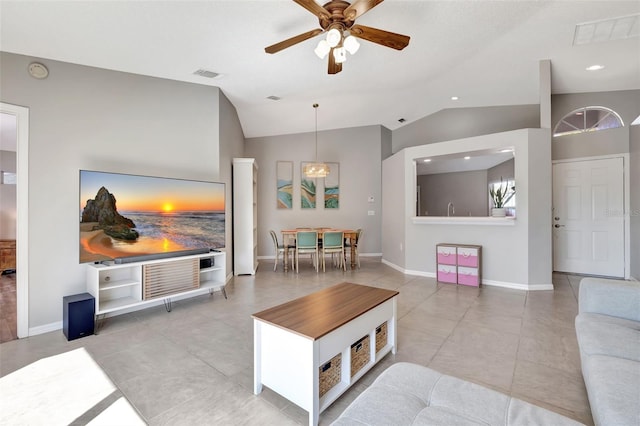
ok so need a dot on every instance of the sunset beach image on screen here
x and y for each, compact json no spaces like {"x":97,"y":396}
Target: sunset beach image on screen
{"x":123,"y":215}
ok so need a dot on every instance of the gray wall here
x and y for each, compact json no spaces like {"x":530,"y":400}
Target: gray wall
{"x":505,"y":170}
{"x":634,"y":144}
{"x":458,"y":123}
{"x":466,"y":190}
{"x":8,"y":198}
{"x":624,"y":102}
{"x":89,"y":118}
{"x":358,"y":150}
{"x":604,"y":142}
{"x":231,"y":146}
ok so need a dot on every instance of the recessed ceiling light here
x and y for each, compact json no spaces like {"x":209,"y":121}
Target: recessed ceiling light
{"x":427,"y":160}
{"x":467,"y":158}
{"x":595,"y":67}
{"x":454,"y":98}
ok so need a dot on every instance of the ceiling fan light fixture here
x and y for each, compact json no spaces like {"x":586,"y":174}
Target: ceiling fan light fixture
{"x":322,"y":49}
{"x":351,"y":44}
{"x":334,"y":37}
{"x":340,"y":55}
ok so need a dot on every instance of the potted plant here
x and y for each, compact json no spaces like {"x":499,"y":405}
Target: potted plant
{"x":501,"y":196}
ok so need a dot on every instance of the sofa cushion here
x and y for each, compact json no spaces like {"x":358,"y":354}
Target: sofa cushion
{"x":613,"y":386}
{"x":410,"y":394}
{"x":616,"y":298}
{"x":606,"y":335}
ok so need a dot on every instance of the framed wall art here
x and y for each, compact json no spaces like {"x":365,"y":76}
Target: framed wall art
{"x":332,"y":187}
{"x":307,"y":189}
{"x":284,"y":182}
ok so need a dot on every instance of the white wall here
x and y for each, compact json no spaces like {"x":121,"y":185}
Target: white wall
{"x":89,"y":118}
{"x":358,"y":150}
{"x":511,"y":253}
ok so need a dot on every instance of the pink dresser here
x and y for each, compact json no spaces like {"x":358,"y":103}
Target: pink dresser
{"x":459,"y":264}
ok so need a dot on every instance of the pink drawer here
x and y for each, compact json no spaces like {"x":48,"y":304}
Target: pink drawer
{"x":446,"y":255}
{"x":468,"y":276}
{"x":447,"y":274}
{"x":468,"y":257}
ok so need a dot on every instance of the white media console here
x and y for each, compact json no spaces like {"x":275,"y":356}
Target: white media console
{"x":127,"y":286}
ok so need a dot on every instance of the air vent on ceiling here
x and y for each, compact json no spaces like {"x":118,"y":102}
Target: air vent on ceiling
{"x":274,"y":98}
{"x":607,"y":30}
{"x":206,"y":73}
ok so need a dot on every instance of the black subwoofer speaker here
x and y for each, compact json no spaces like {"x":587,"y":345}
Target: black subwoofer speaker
{"x":78,"y":316}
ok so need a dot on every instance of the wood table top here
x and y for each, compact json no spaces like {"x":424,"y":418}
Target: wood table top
{"x":320,"y":313}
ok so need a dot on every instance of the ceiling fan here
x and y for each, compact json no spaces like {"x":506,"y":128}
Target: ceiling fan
{"x":337,"y":19}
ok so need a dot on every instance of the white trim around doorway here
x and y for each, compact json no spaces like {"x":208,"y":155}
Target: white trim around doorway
{"x":22,"y":215}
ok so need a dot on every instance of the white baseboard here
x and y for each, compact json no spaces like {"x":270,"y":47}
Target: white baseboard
{"x":493,"y":283}
{"x":46,"y":328}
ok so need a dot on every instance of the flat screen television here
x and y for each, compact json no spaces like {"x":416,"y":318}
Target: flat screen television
{"x":126,"y":217}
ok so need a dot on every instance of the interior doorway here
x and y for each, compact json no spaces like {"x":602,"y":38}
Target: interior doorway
{"x":8,"y":147}
{"x":588,"y":217}
{"x":21,"y":115}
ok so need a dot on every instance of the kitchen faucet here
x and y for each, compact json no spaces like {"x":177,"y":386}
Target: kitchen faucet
{"x":453,"y":209}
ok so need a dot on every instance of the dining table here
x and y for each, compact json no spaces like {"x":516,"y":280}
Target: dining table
{"x":289,"y":238}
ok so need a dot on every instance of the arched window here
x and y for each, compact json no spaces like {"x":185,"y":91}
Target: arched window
{"x":588,"y":119}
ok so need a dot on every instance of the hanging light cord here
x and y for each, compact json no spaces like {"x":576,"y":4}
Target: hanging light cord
{"x":315,"y":106}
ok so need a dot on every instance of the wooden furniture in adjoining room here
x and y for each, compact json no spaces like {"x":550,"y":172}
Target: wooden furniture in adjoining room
{"x":459,"y":264}
{"x":7,"y":255}
{"x":341,"y":332}
{"x":245,"y":216}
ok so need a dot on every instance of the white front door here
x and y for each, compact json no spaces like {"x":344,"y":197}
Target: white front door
{"x":588,"y":217}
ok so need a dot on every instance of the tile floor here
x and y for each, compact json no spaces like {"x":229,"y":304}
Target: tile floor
{"x":194,"y":364}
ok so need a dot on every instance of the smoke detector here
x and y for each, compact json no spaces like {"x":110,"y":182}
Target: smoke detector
{"x":38,"y":70}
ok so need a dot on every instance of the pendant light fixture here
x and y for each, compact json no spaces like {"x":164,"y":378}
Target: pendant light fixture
{"x":317,"y":169}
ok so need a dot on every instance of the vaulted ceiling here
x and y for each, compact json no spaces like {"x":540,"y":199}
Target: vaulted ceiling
{"x":484,"y":52}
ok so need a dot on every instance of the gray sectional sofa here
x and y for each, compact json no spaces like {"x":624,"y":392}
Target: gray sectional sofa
{"x":411,"y":394}
{"x":608,"y":331}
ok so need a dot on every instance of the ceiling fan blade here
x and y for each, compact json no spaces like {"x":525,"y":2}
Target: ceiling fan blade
{"x":314,"y":8}
{"x":385,"y":38}
{"x":334,"y":67}
{"x":359,"y":7}
{"x":293,"y":40}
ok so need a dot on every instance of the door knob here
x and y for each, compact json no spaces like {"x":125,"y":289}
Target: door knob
{"x":558,"y":226}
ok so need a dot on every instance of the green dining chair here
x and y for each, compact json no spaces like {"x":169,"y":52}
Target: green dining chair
{"x":307,"y":243}
{"x":333,"y":243}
